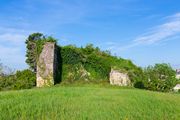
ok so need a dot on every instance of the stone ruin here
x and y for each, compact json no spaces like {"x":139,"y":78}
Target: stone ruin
{"x":47,"y":69}
{"x":46,"y":65}
{"x":177,"y":88}
{"x":119,"y":78}
{"x":178,"y":73}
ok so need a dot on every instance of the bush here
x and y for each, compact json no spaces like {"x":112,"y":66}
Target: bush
{"x":20,"y":80}
{"x":160,"y":77}
{"x":25,"y":79}
{"x":71,"y":55}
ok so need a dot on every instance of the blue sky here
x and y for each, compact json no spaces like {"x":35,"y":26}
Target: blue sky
{"x":144,"y":31}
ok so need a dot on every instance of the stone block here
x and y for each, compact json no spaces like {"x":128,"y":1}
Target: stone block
{"x":176,"y":88}
{"x":46,"y":65}
{"x":119,"y":78}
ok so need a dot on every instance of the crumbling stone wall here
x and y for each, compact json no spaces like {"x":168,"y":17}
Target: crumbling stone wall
{"x":178,"y":73}
{"x":119,"y":78}
{"x":176,"y":88}
{"x":46,"y":65}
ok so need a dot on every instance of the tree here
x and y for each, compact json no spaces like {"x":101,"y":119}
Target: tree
{"x":34,"y":45}
{"x":31,"y":52}
{"x":160,"y":77}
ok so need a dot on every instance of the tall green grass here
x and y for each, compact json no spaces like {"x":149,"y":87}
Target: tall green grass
{"x":88,"y":103}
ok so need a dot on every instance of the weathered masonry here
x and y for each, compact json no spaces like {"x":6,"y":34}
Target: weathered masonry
{"x":46,"y":65}
{"x":178,"y":73}
{"x":48,"y":68}
{"x":176,"y":88}
{"x":119,"y":78}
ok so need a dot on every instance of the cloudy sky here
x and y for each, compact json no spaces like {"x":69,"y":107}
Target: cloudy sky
{"x":144,"y":31}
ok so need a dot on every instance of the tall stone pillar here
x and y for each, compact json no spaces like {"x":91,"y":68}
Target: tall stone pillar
{"x":46,"y":65}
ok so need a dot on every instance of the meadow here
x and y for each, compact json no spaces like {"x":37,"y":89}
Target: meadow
{"x":88,"y":102}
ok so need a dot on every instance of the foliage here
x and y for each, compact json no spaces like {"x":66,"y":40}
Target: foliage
{"x":89,"y":63}
{"x":94,"y":62}
{"x":97,"y":64}
{"x":34,"y":45}
{"x":71,"y":55}
{"x":160,"y":77}
{"x":20,"y":80}
{"x":31,"y":52}
{"x":89,"y":102}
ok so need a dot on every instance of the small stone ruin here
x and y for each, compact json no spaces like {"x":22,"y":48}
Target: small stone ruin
{"x":46,"y":65}
{"x":176,"y":88}
{"x":178,"y":73}
{"x":119,"y":78}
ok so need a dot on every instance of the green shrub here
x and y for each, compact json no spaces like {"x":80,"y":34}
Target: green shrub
{"x":7,"y":82}
{"x":25,"y":79}
{"x":71,"y":55}
{"x":160,"y":77}
{"x":20,"y":80}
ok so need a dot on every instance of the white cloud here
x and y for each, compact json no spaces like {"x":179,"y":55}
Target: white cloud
{"x":161,"y":32}
{"x":14,"y":57}
{"x":165,"y":32}
{"x":12,"y":38}
{"x":12,"y":47}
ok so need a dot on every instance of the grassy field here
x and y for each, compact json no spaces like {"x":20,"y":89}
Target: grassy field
{"x":88,"y":103}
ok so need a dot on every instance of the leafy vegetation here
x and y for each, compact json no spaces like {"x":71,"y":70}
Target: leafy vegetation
{"x":94,"y":64}
{"x":91,"y":64}
{"x":160,"y":77}
{"x":88,"y":64}
{"x":34,"y":45}
{"x":20,"y":80}
{"x":88,"y":103}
